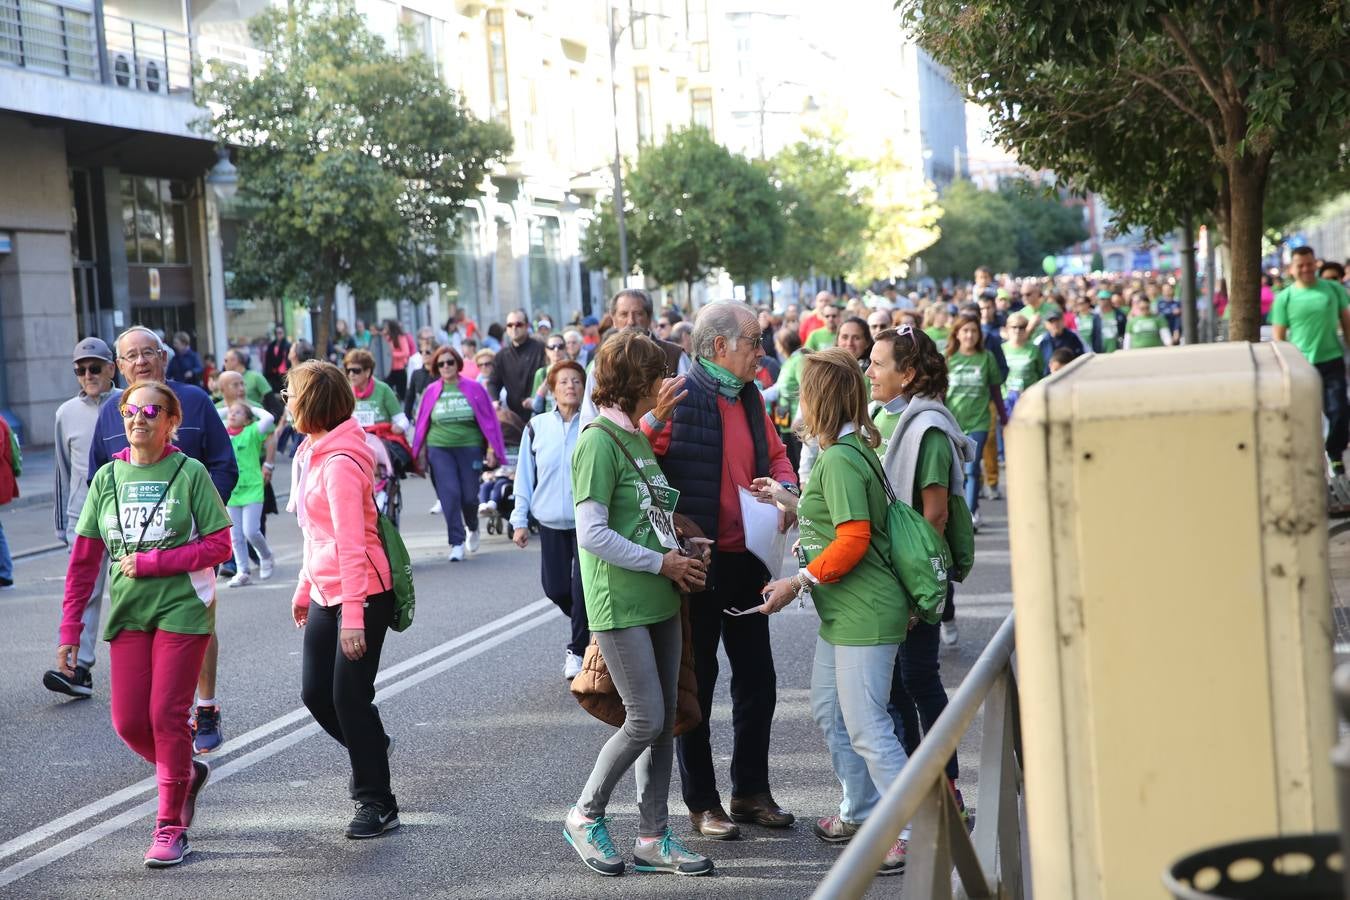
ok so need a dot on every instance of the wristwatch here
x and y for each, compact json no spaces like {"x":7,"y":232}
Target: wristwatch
{"x":791,"y":488}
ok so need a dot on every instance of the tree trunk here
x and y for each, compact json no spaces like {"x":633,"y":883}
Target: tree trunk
{"x":1188,"y":329}
{"x":323,"y":316}
{"x":1247,"y":197}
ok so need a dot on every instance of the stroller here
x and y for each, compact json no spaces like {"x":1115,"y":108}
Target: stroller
{"x":496,"y":495}
{"x":388,"y":493}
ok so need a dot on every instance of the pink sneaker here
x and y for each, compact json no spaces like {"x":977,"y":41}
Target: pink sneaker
{"x":168,"y":848}
{"x":894,"y":863}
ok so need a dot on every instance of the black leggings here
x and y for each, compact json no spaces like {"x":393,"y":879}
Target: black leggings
{"x":340,"y":693}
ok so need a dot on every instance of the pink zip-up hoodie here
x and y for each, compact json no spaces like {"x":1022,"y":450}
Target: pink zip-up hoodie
{"x":331,"y":493}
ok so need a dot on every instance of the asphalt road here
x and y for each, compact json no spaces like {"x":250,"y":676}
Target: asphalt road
{"x":492,"y":749}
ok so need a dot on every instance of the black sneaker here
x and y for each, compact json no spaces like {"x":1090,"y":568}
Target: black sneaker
{"x":372,"y":820}
{"x":6,"y":583}
{"x":208,"y":735}
{"x":81,"y":685}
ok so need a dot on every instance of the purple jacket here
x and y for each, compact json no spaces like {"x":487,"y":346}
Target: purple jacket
{"x":482,"y":412}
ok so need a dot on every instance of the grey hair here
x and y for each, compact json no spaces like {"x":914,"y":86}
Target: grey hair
{"x":572,"y":334}
{"x":641,"y":295}
{"x":722,"y":318}
{"x":117,"y":344}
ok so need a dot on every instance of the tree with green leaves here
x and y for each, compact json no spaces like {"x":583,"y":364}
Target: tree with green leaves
{"x":692,"y":207}
{"x":1044,"y":224}
{"x":353,"y":162}
{"x":902,"y":215}
{"x":826,"y":210}
{"x":977,"y":229}
{"x":1158,"y":104}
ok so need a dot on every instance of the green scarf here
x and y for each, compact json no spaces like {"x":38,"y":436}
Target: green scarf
{"x":728,"y":385}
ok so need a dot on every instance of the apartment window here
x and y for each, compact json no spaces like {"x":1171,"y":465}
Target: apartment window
{"x":700,"y":101}
{"x":154,"y":220}
{"x":703,"y":56}
{"x":545,"y":265}
{"x":416,"y":35}
{"x":637,"y":20}
{"x":497,"y":76}
{"x":642,"y":93}
{"x":696,"y":20}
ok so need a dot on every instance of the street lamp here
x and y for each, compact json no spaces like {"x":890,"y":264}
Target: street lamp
{"x":614,"y":35}
{"x":223,"y":179}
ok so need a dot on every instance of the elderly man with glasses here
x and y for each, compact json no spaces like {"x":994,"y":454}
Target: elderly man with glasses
{"x":713,"y":437}
{"x":515,"y":364}
{"x":202,"y":436}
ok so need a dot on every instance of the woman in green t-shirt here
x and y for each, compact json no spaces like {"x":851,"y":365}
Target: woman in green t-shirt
{"x":1026,"y":365}
{"x":864,"y":616}
{"x":632,"y":574}
{"x":973,"y":380}
{"x":1144,"y":329}
{"x":164,"y":528}
{"x":935,"y":322}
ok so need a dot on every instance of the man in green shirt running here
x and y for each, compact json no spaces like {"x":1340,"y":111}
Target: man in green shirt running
{"x":1308,"y":313}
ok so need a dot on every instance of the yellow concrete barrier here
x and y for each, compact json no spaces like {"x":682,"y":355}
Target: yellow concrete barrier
{"x":1167,"y":512}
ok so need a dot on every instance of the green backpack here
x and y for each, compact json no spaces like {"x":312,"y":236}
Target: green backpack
{"x":917,"y":555}
{"x":960,"y":536}
{"x":400,"y":566}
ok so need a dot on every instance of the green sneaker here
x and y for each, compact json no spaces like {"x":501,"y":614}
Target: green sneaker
{"x":668,"y":855}
{"x":592,"y":842}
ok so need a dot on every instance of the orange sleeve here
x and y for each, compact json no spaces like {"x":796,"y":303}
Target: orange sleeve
{"x":844,"y":552}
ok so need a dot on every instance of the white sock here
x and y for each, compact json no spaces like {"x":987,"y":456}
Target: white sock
{"x":208,"y":702}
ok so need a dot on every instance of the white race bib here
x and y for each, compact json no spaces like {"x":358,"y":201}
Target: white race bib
{"x":142,"y":513}
{"x":365,"y":417}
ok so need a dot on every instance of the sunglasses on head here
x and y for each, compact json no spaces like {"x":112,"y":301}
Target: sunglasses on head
{"x":150,"y":410}
{"x":92,"y":369}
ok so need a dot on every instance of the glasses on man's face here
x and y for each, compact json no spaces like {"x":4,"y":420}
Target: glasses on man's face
{"x":147,"y":354}
{"x":150,"y":410}
{"x":753,"y":341}
{"x":515,"y":324}
{"x":92,"y":369}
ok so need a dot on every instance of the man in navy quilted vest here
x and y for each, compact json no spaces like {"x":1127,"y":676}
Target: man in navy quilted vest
{"x":713,"y":437}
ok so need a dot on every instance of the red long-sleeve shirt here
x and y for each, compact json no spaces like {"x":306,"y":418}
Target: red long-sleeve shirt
{"x":738,"y":466}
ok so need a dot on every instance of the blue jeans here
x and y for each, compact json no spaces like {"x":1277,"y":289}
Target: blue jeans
{"x":850,"y":687}
{"x":973,"y":470}
{"x":455,"y":473}
{"x":6,"y":561}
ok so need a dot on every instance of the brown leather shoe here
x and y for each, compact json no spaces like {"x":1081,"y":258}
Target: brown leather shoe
{"x":761,"y":809}
{"x":714,"y":824}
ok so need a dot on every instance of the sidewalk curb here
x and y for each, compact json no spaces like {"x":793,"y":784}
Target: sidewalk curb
{"x":24,"y":501}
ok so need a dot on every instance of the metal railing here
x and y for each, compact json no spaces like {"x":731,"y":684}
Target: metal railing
{"x":49,"y":37}
{"x":61,"y":38}
{"x":990,"y":865}
{"x":147,"y":57}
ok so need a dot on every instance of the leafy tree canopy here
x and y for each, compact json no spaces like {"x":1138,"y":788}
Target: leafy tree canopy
{"x":977,"y":229}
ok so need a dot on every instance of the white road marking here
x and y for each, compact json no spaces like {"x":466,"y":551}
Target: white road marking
{"x":98,"y":807}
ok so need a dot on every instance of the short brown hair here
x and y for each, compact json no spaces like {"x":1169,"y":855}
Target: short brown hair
{"x":626,"y":366}
{"x":834,"y":394}
{"x":323,"y":399}
{"x":446,"y":350}
{"x":562,"y":366}
{"x":912,"y":349}
{"x":362,"y":359}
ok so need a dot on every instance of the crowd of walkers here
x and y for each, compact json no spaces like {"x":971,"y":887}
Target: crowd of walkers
{"x":625,"y":446}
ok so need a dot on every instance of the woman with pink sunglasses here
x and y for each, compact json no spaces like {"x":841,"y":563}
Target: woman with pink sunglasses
{"x":162,"y":522}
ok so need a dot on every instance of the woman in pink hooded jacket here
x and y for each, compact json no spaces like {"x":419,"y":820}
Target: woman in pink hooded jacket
{"x":344,"y":600}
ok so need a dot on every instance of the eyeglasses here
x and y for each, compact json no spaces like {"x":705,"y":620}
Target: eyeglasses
{"x":556,"y":347}
{"x":754,"y":340}
{"x":447,"y":364}
{"x":515,"y":324}
{"x":355,"y":370}
{"x":147,"y":354}
{"x":285,"y":395}
{"x":150,"y":410}
{"x":92,"y":369}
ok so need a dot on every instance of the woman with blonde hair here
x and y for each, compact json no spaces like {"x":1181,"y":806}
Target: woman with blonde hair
{"x":864,"y":617}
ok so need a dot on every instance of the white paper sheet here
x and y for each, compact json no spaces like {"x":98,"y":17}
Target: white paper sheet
{"x":761,"y":531}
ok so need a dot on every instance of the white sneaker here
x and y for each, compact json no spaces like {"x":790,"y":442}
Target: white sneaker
{"x":471,"y":543}
{"x":949,"y":634}
{"x":436,"y":510}
{"x":265,"y":568}
{"x":995,"y":493}
{"x":571,"y":665}
{"x":240,"y":580}
{"x":976,"y":521}
{"x":457,"y":553}
{"x":986,"y":492}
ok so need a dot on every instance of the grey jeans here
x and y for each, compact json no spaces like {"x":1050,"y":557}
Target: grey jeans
{"x":89,"y":636}
{"x":644,"y":662}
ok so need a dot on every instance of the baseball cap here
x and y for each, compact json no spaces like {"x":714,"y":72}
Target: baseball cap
{"x":590,"y":322}
{"x":1053,"y":315}
{"x":92,"y":348}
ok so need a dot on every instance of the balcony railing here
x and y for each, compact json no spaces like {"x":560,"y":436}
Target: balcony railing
{"x":62,"y":38}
